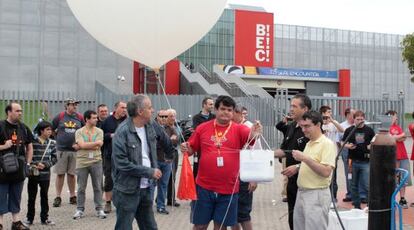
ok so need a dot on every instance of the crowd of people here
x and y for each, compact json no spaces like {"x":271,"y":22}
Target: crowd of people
{"x":132,"y":160}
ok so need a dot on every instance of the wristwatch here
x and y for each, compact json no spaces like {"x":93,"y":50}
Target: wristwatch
{"x":297,"y":166}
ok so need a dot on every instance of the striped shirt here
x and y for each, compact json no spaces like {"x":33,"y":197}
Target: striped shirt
{"x":48,"y":160}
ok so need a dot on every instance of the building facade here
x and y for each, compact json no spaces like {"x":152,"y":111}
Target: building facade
{"x":43,"y":48}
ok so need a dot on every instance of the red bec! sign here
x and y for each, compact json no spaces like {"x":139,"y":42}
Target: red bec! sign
{"x":253,"y":38}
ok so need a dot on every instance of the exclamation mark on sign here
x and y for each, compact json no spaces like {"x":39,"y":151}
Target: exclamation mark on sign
{"x":267,"y":43}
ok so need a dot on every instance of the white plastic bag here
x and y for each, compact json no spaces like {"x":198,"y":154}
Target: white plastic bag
{"x":256,"y":165}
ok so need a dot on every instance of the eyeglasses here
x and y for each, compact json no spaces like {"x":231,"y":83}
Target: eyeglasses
{"x":162,"y":116}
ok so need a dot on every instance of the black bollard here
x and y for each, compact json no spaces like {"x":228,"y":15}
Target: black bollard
{"x":381,"y":181}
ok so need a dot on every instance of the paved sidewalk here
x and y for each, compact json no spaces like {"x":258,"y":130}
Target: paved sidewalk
{"x":269,"y":212}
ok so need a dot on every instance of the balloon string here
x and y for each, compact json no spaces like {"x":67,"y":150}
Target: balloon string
{"x":157,"y":75}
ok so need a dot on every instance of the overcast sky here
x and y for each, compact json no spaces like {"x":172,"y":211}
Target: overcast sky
{"x":383,"y":16}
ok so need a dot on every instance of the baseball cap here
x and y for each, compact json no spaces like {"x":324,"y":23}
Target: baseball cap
{"x":71,"y":100}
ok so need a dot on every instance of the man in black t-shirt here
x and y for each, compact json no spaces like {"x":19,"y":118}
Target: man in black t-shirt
{"x":294,"y":139}
{"x":206,"y":112}
{"x":109,"y":127}
{"x":358,"y":145}
{"x":17,"y":138}
{"x":103,"y":113}
{"x":204,"y":115}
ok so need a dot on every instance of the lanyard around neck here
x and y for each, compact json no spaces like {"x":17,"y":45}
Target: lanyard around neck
{"x":219,"y":136}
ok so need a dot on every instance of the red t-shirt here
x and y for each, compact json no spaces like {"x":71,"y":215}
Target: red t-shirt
{"x":411,"y":128}
{"x":210,"y":176}
{"x":401,"y":151}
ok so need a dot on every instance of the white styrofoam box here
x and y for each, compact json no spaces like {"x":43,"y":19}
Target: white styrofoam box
{"x":257,"y":165}
{"x":354,"y":219}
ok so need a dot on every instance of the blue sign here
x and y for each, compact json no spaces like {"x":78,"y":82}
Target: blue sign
{"x":284,"y":72}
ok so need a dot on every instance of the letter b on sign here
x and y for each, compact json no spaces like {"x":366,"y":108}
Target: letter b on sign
{"x":260,"y":30}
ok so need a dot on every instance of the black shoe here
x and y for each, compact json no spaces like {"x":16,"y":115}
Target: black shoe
{"x":403,"y":203}
{"x":57,"y":202}
{"x":176,"y":204}
{"x":19,"y":226}
{"x":347,"y":199}
{"x":162,"y":211}
{"x":285,"y":199}
{"x":364,"y":201}
{"x":72,"y":200}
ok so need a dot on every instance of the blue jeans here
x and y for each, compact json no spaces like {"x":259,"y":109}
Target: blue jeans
{"x":345,"y":159}
{"x":10,"y":197}
{"x":136,"y":205}
{"x":214,"y":206}
{"x":162,"y":183}
{"x":360,"y":181}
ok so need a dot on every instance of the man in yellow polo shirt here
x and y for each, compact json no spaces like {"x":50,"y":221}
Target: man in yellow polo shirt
{"x":317,"y":163}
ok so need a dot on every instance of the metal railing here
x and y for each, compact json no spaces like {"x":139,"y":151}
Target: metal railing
{"x":268,"y":110}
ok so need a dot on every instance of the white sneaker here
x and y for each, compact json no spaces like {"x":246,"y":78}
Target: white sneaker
{"x":78,"y":214}
{"x":101,"y":214}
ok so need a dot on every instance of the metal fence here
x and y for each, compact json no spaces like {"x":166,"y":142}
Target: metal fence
{"x":38,"y":105}
{"x":268,"y":111}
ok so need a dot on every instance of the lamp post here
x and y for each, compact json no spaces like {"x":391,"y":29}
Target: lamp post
{"x":401,"y":96}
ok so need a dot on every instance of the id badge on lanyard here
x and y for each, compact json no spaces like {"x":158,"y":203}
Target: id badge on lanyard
{"x":220,"y":161}
{"x":219,"y":137}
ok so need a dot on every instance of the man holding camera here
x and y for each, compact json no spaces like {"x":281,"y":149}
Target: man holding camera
{"x":44,"y":157}
{"x":358,"y":145}
{"x":331,"y":128}
{"x":294,"y":140}
{"x":16,"y":152}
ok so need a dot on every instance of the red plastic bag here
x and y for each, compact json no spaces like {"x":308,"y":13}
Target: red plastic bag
{"x":186,"y":187}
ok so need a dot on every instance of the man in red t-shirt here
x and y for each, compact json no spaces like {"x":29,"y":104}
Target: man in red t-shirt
{"x":219,"y":141}
{"x":411,"y":129}
{"x":402,"y":158}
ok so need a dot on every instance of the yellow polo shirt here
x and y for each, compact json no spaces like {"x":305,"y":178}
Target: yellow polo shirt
{"x":323,"y":151}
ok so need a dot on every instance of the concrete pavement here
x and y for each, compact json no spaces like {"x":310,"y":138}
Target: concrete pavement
{"x":269,"y":212}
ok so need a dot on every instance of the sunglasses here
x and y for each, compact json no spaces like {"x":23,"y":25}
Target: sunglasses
{"x":162,"y":116}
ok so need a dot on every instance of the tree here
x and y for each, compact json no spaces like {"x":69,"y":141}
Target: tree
{"x":408,"y":53}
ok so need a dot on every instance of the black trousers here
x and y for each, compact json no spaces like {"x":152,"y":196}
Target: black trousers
{"x":334,"y":186}
{"x":292,"y":190}
{"x":171,"y":185}
{"x":195,"y":169}
{"x":32,"y":186}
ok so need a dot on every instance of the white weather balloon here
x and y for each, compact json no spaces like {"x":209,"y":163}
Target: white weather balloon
{"x":151,"y":32}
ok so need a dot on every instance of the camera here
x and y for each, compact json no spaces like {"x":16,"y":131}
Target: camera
{"x":33,"y":170}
